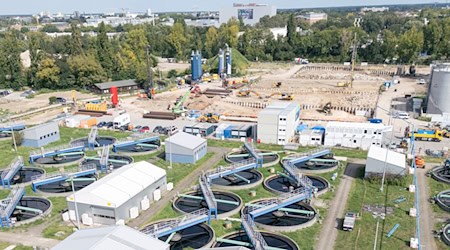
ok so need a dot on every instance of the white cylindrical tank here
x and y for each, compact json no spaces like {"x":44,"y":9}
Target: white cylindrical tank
{"x":438,"y":100}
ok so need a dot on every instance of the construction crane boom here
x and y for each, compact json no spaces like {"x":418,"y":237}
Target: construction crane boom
{"x":177,"y":109}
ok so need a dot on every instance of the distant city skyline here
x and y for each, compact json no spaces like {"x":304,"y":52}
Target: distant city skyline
{"x":17,"y":7}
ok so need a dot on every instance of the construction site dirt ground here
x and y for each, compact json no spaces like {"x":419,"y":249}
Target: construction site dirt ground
{"x":310,"y":88}
{"x":15,"y":104}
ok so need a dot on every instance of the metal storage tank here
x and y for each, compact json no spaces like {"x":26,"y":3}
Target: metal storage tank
{"x":439,"y":89}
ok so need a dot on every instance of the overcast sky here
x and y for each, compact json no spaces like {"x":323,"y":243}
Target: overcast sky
{"x":10,"y":7}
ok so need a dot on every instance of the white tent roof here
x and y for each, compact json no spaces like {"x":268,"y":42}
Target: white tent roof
{"x":110,"y":238}
{"x":185,"y":140}
{"x":118,"y":187}
{"x":393,"y":157}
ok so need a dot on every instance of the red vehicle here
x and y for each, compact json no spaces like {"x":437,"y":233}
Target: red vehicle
{"x":144,"y":129}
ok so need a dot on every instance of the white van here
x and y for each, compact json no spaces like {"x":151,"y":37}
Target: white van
{"x":402,"y":115}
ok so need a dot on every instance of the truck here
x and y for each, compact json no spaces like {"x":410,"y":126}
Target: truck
{"x":349,"y":221}
{"x":428,"y":135}
{"x":122,"y":120}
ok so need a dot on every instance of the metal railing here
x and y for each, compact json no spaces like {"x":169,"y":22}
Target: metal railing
{"x":255,"y":237}
{"x":306,"y":154}
{"x":252,"y":150}
{"x":105,"y":156}
{"x":302,"y":180}
{"x":9,"y":203}
{"x":66,"y":173}
{"x":44,"y":151}
{"x":175,"y":223}
{"x":207,"y":193}
{"x":282,"y":198}
{"x":13,"y":166}
{"x":93,"y":135}
{"x":232,"y":166}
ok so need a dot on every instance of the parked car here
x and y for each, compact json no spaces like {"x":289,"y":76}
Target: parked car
{"x":27,"y":93}
{"x":170,"y":130}
{"x":157,"y":129}
{"x":101,"y":124}
{"x":109,"y":125}
{"x":145,"y":129}
{"x":61,"y":100}
{"x":137,"y":128}
{"x":422,"y":82}
{"x":349,"y":221}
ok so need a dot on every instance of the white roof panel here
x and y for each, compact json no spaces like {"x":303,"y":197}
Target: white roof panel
{"x":119,"y":186}
{"x":186,"y":140}
{"x":355,"y":125}
{"x":394,"y":158}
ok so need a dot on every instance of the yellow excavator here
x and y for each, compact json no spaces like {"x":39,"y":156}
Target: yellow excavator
{"x":209,"y":118}
{"x":283,"y":96}
{"x":246,"y":93}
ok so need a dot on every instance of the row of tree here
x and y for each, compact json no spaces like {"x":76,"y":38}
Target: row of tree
{"x":78,"y":61}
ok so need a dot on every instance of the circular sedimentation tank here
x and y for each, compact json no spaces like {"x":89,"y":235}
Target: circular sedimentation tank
{"x":118,"y":161}
{"x":443,"y":200}
{"x":273,"y":240}
{"x":59,"y":160}
{"x":40,"y":203}
{"x":101,"y":141}
{"x":64,"y":186}
{"x":446,"y":234}
{"x":187,"y":205}
{"x":287,"y":219}
{"x":311,"y":167}
{"x":25,"y":175}
{"x":280,"y":184}
{"x":139,"y":149}
{"x":441,"y":173}
{"x":194,"y":237}
{"x":234,"y":182}
{"x":269,"y":158}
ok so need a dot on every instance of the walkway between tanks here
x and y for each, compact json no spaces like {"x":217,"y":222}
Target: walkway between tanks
{"x":179,"y":188}
{"x":426,"y":213}
{"x":330,"y":228}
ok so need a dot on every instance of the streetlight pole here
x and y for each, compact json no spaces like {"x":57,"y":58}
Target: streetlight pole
{"x":170,"y":151}
{"x":75,"y":203}
{"x":378,"y":216}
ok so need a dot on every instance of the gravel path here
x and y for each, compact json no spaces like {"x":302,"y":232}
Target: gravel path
{"x":426,"y":213}
{"x":336,"y":211}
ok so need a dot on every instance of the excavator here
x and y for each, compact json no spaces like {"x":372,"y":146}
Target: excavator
{"x":178,"y":109}
{"x":283,"y":96}
{"x":246,"y":93}
{"x":209,"y":118}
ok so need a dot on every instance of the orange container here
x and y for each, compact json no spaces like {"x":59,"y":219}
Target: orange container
{"x":87,"y":123}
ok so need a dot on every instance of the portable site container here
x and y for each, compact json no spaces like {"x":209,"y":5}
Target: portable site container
{"x":87,"y":123}
{"x":202,"y":129}
{"x":244,"y":131}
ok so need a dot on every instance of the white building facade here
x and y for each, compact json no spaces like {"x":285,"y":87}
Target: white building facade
{"x":376,"y":158}
{"x":250,"y":13}
{"x":354,"y":134}
{"x":277,"y":123}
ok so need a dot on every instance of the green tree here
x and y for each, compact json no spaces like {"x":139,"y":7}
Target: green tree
{"x":104,"y":50}
{"x":47,"y":75}
{"x":11,"y":71}
{"x":211,"y":43}
{"x":85,"y":70}
{"x":444,"y":46}
{"x":177,"y":40}
{"x":34,"y":46}
{"x":291,"y":30}
{"x":49,"y":28}
{"x":433,"y":32}
{"x":76,"y":45}
{"x":410,"y":45}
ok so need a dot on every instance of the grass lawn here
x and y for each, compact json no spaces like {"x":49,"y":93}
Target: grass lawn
{"x":350,"y":153}
{"x":4,"y":245}
{"x":362,"y":237}
{"x":435,"y":188}
{"x":57,"y":225}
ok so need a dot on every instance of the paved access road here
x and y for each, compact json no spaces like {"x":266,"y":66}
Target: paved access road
{"x":180,"y":187}
{"x":336,"y":211}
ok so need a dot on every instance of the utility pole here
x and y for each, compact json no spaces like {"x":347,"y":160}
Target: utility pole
{"x":356,"y":24}
{"x":148,"y":83}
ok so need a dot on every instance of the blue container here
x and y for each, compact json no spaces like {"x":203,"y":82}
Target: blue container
{"x":375,"y":120}
{"x":227,"y":132}
{"x":301,"y":127}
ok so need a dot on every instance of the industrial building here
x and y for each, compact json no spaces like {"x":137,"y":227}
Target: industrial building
{"x":277,"y":123}
{"x":122,"y":86}
{"x":110,"y":238}
{"x":242,"y":131}
{"x":376,"y":158}
{"x":249,"y":13}
{"x":311,"y":137}
{"x":185,"y":148}
{"x":312,"y":17}
{"x":203,"y":129}
{"x":120,"y":195}
{"x":354,"y":134}
{"x":439,"y":89}
{"x":40,"y":135}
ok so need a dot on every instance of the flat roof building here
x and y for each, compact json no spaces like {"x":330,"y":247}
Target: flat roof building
{"x":376,"y":158}
{"x":185,"y":148}
{"x":40,"y":135}
{"x":110,"y":238}
{"x":120,"y":195}
{"x":203,"y":129}
{"x":249,"y":13}
{"x":277,"y":122}
{"x":312,"y":17}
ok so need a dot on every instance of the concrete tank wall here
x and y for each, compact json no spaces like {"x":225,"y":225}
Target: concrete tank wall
{"x":438,"y":100}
